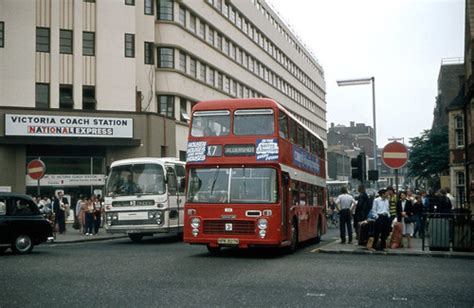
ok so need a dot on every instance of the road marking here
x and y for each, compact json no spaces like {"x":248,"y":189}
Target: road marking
{"x":402,"y":299}
{"x":316,"y":294}
{"x":317,"y":249}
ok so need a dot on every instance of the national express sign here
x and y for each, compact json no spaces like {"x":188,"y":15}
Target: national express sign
{"x":66,"y":126}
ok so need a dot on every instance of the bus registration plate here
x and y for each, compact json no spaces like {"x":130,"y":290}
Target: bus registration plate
{"x":228,"y":241}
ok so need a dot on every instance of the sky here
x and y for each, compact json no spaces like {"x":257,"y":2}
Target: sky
{"x":399,"y":42}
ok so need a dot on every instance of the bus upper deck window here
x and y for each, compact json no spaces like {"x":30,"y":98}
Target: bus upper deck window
{"x":210,"y":123}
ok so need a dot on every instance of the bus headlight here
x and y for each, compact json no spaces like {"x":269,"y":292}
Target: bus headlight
{"x":262,"y":233}
{"x":262,"y":224}
{"x":195,"y":223}
{"x":195,"y":232}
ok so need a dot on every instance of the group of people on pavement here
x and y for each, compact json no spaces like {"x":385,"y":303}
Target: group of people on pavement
{"x":88,"y":212}
{"x":375,"y":218}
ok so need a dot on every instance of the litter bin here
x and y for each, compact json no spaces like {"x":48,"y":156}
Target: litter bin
{"x":439,"y":234}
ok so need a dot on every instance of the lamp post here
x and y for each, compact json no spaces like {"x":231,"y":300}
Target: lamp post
{"x":362,"y":81}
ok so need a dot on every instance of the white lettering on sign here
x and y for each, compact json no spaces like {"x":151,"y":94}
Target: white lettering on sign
{"x":67,"y":126}
{"x":68,"y":180}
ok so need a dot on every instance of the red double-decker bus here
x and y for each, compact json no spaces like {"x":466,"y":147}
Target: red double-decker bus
{"x":255,"y":177}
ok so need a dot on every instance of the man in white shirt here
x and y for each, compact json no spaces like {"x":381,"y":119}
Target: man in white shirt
{"x":345,"y":203}
{"x":381,"y":212}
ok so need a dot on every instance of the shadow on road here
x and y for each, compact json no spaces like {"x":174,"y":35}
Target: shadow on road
{"x":154,"y":240}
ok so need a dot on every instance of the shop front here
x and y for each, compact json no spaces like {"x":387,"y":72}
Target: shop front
{"x":76,"y":147}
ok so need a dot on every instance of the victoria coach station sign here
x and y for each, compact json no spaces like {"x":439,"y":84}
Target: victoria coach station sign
{"x":67,"y":126}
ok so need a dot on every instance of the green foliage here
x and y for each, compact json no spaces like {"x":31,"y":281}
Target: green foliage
{"x":429,"y":154}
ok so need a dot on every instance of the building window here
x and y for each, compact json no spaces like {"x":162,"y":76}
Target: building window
{"x":182,"y":61}
{"x":166,"y":105}
{"x":42,"y":95}
{"x":459,"y":131}
{"x":182,"y":16}
{"x":182,"y":155}
{"x":202,"y":74}
{"x":202,"y":30}
{"x":65,"y":41}
{"x":193,"y":67}
{"x":65,"y":97}
{"x":211,"y":36}
{"x":130,"y":2}
{"x":42,"y":39}
{"x":166,"y":57}
{"x":192,"y":22}
{"x":220,"y":82}
{"x":149,"y":59}
{"x":183,"y":112}
{"x":148,"y":7}
{"x":219,"y":41}
{"x":88,"y":43}
{"x":211,"y":77}
{"x":129,"y":45}
{"x":2,"y":34}
{"x":165,"y":9}
{"x":88,"y":98}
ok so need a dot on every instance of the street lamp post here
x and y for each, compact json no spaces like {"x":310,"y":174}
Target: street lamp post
{"x":362,"y":81}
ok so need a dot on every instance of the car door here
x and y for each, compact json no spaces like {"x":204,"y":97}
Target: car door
{"x":4,"y":233}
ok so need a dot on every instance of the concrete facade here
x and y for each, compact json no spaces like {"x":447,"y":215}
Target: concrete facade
{"x":220,"y":49}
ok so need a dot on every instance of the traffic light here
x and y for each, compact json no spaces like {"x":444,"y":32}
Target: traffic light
{"x":358,"y":167}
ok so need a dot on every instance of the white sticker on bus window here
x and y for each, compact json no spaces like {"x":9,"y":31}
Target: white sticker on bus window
{"x":267,"y":149}
{"x":196,"y":151}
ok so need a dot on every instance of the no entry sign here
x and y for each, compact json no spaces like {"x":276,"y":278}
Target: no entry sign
{"x":395,"y":155}
{"x":36,"y":169}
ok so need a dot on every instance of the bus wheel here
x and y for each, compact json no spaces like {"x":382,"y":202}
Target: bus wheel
{"x":294,"y":238}
{"x":317,"y":239}
{"x":213,"y":249}
{"x":136,"y":238}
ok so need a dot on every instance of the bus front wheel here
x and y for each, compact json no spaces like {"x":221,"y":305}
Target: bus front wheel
{"x":136,"y":238}
{"x":212,"y":249}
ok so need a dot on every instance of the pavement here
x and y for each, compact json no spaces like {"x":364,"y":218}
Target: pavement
{"x":333,"y":245}
{"x":75,"y":236}
{"x":336,"y":247}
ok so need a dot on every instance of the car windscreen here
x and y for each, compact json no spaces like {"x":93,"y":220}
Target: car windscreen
{"x":254,"y":122}
{"x":135,"y":179}
{"x":232,"y":185}
{"x":210,"y":123}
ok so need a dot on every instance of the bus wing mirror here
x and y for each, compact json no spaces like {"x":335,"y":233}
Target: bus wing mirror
{"x":182,"y":184}
{"x":285,"y":179}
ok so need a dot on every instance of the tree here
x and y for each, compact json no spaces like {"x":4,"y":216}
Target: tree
{"x":429,"y":154}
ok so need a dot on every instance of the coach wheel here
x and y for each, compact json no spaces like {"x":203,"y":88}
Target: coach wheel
{"x":212,"y":249}
{"x":136,"y":238}
{"x":22,"y":244}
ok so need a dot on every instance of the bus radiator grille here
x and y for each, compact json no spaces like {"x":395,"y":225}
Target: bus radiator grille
{"x":238,"y":227}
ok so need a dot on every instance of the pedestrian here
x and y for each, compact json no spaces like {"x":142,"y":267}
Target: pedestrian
{"x":444,"y":206}
{"x":392,"y":201}
{"x":345,"y":203}
{"x":418,"y":211}
{"x":332,"y":211}
{"x":97,"y":214}
{"x":89,"y":217}
{"x":381,"y":213}
{"x":82,"y":213}
{"x":77,"y":213}
{"x":60,"y":206}
{"x":450,"y":197}
{"x":360,"y":213}
{"x":405,"y":216}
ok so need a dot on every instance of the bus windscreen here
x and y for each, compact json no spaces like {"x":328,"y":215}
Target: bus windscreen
{"x":232,"y":185}
{"x":125,"y":180}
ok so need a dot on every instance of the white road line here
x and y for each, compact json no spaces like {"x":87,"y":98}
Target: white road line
{"x":316,"y":294}
{"x":402,"y":299}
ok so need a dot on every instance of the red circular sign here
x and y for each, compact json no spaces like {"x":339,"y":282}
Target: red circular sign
{"x":36,"y":169}
{"x":395,"y":155}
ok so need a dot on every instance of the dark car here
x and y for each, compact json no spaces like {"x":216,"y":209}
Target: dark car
{"x":21,"y":224}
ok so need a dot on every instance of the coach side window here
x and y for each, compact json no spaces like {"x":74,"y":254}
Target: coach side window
{"x":3,"y":206}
